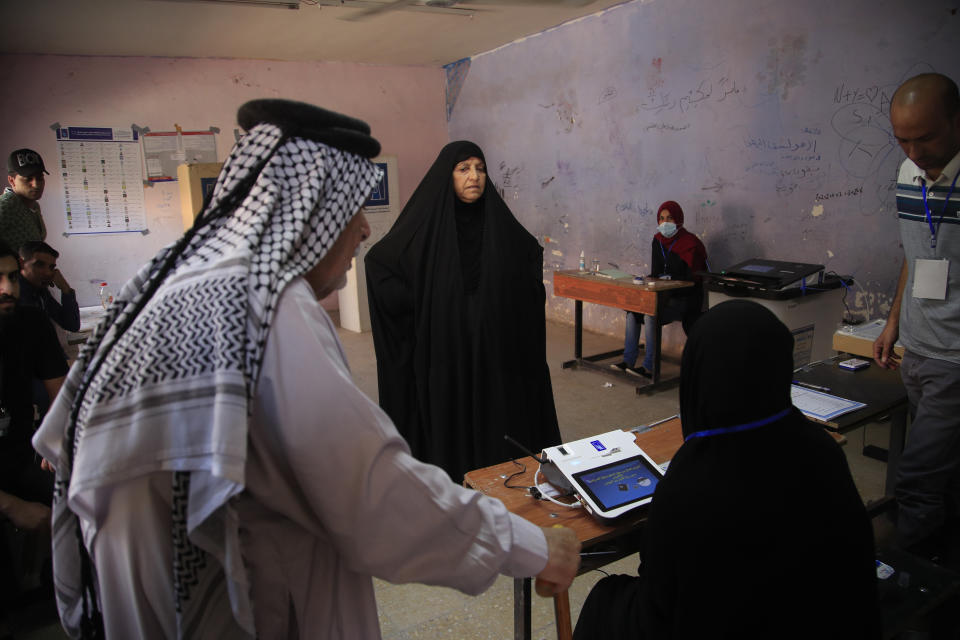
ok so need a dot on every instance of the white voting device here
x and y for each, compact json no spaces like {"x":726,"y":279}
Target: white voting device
{"x":610,"y":474}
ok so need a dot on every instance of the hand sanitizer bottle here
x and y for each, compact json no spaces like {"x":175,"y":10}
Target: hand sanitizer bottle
{"x":106,"y":296}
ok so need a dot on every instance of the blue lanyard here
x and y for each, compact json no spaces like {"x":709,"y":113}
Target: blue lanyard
{"x":706,"y":433}
{"x":667,"y":252}
{"x":926,"y":209}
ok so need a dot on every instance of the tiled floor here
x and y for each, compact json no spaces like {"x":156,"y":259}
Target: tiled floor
{"x":585,"y":406}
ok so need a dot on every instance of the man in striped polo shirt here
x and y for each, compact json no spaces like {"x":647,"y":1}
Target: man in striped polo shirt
{"x":925,"y":314}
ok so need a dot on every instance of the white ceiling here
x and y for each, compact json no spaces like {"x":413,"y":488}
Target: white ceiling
{"x":411,"y":36}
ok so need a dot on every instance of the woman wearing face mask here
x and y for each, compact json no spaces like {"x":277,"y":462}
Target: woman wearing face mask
{"x":677,"y":254}
{"x":457,"y":307}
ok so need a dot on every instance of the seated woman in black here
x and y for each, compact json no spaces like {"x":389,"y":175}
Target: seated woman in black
{"x":757,"y":530}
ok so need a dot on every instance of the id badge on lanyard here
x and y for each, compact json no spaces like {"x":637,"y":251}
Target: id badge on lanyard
{"x":665,"y":275}
{"x":930,"y":279}
{"x":930,"y":276}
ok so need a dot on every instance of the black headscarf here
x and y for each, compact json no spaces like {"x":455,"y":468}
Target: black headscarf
{"x":458,"y":325}
{"x":469,"y":216}
{"x":736,"y":369}
{"x":758,"y":512}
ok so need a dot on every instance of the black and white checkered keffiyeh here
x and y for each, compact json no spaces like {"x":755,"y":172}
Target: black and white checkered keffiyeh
{"x":173,"y":392}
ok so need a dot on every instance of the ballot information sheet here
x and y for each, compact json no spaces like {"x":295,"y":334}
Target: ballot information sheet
{"x":821,"y":406}
{"x":102,"y":179}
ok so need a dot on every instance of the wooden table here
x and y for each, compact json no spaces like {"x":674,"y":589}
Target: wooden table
{"x":584,"y":286}
{"x":881,"y":390}
{"x":660,"y":442}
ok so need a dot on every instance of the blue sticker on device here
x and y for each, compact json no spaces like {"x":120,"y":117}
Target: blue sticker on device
{"x":598,"y":445}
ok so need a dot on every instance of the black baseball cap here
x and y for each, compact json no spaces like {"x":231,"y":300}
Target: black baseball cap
{"x":25,"y":162}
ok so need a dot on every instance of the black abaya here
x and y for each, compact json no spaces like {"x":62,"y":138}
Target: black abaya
{"x":461,"y":344}
{"x":757,"y":530}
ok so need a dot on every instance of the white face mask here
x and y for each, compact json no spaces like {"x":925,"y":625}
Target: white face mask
{"x":667,"y":229}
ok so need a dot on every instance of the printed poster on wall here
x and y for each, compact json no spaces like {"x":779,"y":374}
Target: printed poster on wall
{"x":102,"y":179}
{"x":164,"y":151}
{"x":383,"y":205}
{"x":379,"y":200}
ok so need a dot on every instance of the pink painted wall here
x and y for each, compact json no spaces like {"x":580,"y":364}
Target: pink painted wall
{"x":405,"y":107}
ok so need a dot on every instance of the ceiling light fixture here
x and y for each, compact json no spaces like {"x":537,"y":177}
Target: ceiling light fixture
{"x":280,"y":4}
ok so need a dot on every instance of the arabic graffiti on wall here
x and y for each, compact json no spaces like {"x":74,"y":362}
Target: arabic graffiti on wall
{"x":658,"y":101}
{"x":770,"y":128}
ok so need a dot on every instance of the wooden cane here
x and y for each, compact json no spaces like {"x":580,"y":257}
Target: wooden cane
{"x":561,"y":605}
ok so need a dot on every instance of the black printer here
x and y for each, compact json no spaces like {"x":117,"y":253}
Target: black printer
{"x":771,"y":279}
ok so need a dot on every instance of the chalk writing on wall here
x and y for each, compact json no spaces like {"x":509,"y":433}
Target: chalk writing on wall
{"x":770,"y":128}
{"x":659,"y":101}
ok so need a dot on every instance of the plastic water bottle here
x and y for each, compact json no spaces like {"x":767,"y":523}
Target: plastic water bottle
{"x":583,"y":263}
{"x":106,"y":296}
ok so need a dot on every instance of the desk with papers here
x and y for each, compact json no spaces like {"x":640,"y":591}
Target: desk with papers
{"x":660,"y":440}
{"x":620,"y":293}
{"x":857,"y":339}
{"x":880,"y":392}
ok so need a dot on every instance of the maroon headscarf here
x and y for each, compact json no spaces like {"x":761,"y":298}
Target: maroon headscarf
{"x":674,"y":209}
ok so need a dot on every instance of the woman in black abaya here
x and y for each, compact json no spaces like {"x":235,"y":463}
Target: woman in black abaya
{"x":757,"y":530}
{"x":457,"y":306}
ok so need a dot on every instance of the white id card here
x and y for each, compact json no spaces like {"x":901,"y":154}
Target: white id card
{"x":930,"y":279}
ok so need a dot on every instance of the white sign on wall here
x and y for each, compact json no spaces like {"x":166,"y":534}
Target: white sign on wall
{"x":164,"y":151}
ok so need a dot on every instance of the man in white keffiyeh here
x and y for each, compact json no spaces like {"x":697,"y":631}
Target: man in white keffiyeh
{"x":218,"y":472}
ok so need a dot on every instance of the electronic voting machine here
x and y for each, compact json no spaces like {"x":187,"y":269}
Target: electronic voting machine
{"x":609,"y":473}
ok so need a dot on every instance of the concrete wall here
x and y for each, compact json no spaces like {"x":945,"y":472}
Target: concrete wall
{"x":767,"y":120}
{"x":405,"y":107}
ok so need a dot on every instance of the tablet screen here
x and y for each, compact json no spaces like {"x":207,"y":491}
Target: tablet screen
{"x":620,"y":483}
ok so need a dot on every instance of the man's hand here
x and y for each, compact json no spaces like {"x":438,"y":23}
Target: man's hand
{"x":563,"y":560}
{"x":46,"y":466}
{"x":32,"y":516}
{"x":883,"y":353}
{"x":60,"y":282}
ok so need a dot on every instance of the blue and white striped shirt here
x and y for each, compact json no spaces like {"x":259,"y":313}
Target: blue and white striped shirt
{"x":930,"y":328}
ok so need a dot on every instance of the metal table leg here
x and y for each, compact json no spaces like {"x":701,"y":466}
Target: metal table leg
{"x":578,"y":329}
{"x":898,"y":437}
{"x":577,"y":336}
{"x":658,"y":338}
{"x":521,"y":608}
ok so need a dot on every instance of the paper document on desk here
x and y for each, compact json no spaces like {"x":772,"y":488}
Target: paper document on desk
{"x":614,"y":274}
{"x":821,"y":406}
{"x":867,"y":331}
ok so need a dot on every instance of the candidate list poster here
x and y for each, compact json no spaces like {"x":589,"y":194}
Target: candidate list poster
{"x":102,"y":179}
